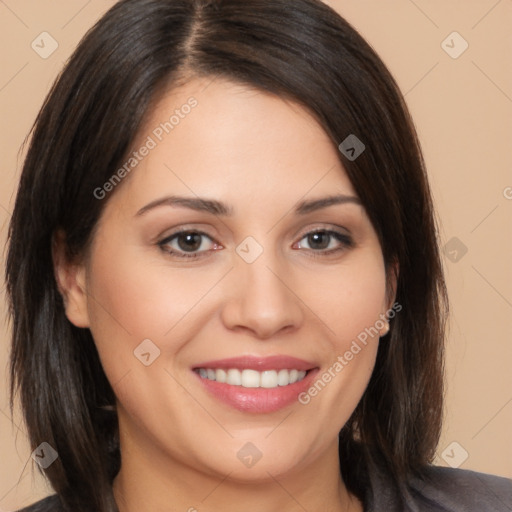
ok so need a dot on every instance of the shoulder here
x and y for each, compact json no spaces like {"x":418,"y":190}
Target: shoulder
{"x":460,"y":490}
{"x":49,"y":504}
{"x":435,"y":489}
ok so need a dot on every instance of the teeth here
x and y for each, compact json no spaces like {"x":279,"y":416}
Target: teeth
{"x":234,"y":377}
{"x":283,"y":377}
{"x":253,"y":378}
{"x":268,"y":379}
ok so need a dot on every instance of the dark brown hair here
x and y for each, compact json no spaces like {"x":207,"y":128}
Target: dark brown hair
{"x":301,"y":50}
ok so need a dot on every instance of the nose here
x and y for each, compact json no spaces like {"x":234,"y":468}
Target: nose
{"x":261,"y":299}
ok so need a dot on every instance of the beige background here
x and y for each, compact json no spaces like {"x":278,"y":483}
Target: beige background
{"x":463,"y":111}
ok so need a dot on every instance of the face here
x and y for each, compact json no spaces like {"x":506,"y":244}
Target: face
{"x":229,"y":301}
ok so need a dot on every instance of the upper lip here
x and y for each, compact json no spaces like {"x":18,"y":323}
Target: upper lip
{"x":278,"y":362}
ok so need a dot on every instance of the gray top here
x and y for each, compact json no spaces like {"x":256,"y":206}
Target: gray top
{"x":438,"y":490}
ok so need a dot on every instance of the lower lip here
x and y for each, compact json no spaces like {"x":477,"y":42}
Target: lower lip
{"x":258,"y":400}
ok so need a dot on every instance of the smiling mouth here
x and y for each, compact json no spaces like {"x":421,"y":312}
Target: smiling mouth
{"x":249,"y":378}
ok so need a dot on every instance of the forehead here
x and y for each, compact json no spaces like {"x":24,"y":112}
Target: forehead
{"x":215,"y":138}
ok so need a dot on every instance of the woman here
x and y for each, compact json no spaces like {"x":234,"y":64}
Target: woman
{"x":224,"y":275}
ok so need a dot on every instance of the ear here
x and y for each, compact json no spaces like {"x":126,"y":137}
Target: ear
{"x":70,"y":277}
{"x":391,"y":282}
{"x":389,"y":301}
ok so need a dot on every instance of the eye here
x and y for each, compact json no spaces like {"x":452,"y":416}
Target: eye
{"x":188,"y":244}
{"x":325,"y":242}
{"x":194,"y":244}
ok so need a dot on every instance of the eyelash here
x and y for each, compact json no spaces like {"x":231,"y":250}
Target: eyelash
{"x":345,"y":241}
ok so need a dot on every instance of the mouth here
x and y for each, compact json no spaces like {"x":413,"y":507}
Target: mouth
{"x":254,"y":384}
{"x":247,"y":378}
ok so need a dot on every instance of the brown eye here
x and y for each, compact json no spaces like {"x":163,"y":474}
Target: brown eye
{"x":189,"y":241}
{"x":319,"y":240}
{"x":325,"y":241}
{"x":188,"y":244}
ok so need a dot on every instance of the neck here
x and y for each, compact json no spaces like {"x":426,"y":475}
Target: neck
{"x":151,"y":480}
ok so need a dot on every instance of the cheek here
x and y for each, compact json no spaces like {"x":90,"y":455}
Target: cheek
{"x":132,"y":299}
{"x":350,"y":300}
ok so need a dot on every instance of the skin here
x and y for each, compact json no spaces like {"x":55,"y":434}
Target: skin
{"x":260,"y":155}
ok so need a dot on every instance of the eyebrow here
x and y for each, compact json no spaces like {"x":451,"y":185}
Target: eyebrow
{"x":218,"y":208}
{"x":305,"y":207}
